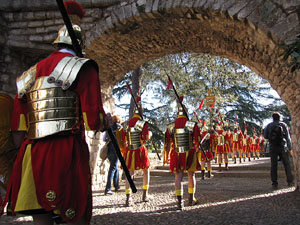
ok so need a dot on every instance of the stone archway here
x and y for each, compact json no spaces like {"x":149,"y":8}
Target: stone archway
{"x":124,"y":34}
{"x":248,"y":33}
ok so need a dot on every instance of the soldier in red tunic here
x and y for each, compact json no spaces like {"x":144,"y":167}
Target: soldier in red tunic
{"x":248,"y":147}
{"x":58,"y":98}
{"x":227,"y":146}
{"x":255,"y":145}
{"x":136,"y":153}
{"x":181,"y":141}
{"x":221,"y":147}
{"x":237,"y":148}
{"x":207,"y":148}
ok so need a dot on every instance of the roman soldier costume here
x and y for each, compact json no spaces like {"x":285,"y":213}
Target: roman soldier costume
{"x":136,"y":132}
{"x":57,"y":99}
{"x":206,"y":146}
{"x":255,"y":145}
{"x":182,"y":139}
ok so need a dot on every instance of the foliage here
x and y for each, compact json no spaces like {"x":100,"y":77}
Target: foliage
{"x":237,"y":90}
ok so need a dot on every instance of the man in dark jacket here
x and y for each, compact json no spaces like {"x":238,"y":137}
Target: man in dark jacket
{"x":280,"y":149}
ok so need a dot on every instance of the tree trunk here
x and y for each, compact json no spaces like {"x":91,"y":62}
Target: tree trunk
{"x":136,"y":87}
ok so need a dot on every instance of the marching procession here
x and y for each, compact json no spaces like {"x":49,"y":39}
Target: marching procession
{"x":59,"y":98}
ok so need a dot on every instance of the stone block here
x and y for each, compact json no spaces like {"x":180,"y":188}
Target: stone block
{"x":36,"y":38}
{"x":17,"y":25}
{"x":4,"y":78}
{"x":227,"y":5}
{"x":237,"y":7}
{"x":8,"y":16}
{"x":169,"y":4}
{"x":246,"y":11}
{"x":199,"y":3}
{"x":40,"y":15}
{"x":217,"y":5}
{"x":48,"y":22}
{"x":141,"y":2}
{"x":119,"y":12}
{"x":40,"y":30}
{"x":148,"y":7}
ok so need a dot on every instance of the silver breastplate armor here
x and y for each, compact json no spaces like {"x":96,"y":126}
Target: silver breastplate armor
{"x":183,"y":137}
{"x":235,"y":137}
{"x":221,"y":140}
{"x":133,"y":135}
{"x":245,"y":142}
{"x":51,"y":107}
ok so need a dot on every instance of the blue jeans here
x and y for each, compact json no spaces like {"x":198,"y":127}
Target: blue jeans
{"x":113,"y":172}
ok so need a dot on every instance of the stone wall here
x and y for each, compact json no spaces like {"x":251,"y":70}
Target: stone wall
{"x":121,"y":35}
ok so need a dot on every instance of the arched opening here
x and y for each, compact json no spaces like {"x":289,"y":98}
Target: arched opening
{"x":122,"y":46}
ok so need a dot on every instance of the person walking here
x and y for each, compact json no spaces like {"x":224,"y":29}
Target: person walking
{"x":181,"y":145}
{"x":113,"y":172}
{"x":277,"y":133}
{"x":135,"y":134}
{"x":57,"y":100}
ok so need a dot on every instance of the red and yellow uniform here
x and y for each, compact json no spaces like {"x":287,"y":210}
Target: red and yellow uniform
{"x":48,"y":170}
{"x":262,"y":144}
{"x":208,"y":152}
{"x":137,"y":158}
{"x":181,"y":140}
{"x":228,"y":141}
{"x":221,"y":142}
{"x":186,"y":161}
{"x":255,"y":143}
{"x":236,"y":143}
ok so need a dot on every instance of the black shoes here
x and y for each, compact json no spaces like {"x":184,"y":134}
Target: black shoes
{"x":274,"y":186}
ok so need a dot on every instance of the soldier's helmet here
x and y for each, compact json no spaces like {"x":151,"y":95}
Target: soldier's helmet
{"x":76,"y":13}
{"x":180,"y":109}
{"x":204,"y":126}
{"x":136,"y":109}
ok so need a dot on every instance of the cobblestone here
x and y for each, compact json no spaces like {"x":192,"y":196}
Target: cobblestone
{"x":223,"y":200}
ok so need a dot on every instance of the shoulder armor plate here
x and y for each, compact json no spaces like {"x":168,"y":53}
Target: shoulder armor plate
{"x":66,"y":71}
{"x":190,"y":125}
{"x":25,"y":81}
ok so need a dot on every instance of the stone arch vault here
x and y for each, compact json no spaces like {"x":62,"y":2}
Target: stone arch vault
{"x":121,"y":35}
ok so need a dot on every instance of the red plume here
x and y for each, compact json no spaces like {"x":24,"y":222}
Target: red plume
{"x":181,"y":98}
{"x":201,"y":104}
{"x":74,"y":8}
{"x":170,"y":84}
{"x":128,"y":88}
{"x":138,"y":99}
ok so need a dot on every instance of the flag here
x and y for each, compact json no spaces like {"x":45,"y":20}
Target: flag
{"x":138,"y":99}
{"x":201,"y":104}
{"x":181,"y":98}
{"x":195,"y":114}
{"x":170,"y":84}
{"x":128,"y":88}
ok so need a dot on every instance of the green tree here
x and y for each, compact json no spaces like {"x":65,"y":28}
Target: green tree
{"x":238,"y":91}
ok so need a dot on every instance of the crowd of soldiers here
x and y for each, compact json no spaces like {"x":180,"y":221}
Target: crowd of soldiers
{"x":189,"y":146}
{"x":220,"y":142}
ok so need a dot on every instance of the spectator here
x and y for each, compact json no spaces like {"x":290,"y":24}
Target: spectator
{"x":281,"y":148}
{"x":113,"y":172}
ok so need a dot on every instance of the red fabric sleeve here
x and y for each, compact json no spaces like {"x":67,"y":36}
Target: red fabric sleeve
{"x":88,"y":88}
{"x":18,"y":109}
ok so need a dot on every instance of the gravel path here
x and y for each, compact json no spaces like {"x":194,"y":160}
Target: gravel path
{"x":223,"y":200}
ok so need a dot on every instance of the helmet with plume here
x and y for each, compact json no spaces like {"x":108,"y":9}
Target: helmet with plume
{"x":76,"y":13}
